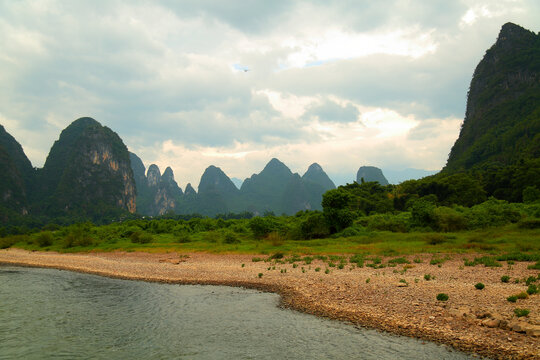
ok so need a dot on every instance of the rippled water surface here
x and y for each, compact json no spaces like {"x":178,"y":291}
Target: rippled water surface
{"x":52,"y":314}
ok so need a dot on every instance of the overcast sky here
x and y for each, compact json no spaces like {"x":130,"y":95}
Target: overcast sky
{"x":189,"y":84}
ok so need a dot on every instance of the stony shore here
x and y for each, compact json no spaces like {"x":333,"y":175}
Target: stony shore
{"x":393,"y":300}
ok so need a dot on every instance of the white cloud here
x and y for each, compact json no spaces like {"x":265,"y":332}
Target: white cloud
{"x":337,"y":44}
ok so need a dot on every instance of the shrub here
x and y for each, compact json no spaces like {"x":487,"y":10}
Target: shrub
{"x":7,"y":242}
{"x":317,"y":269}
{"x":262,"y":226}
{"x":512,"y":298}
{"x":427,"y":277}
{"x":230,"y":238}
{"x":442,"y":297}
{"x":487,"y":261}
{"x":77,"y":236}
{"x":357,"y":259}
{"x":530,"y":280}
{"x":141,"y":238}
{"x":532,"y":289}
{"x":522,"y":295}
{"x":448,"y":219}
{"x":314,"y":226}
{"x":368,"y":280}
{"x":521,"y":312}
{"x":387,"y":222}
{"x":479,"y":286}
{"x":276,"y":256}
{"x":260,"y":275}
{"x":44,"y":238}
{"x":535,"y":266}
{"x":183,"y":237}
{"x":505,"y":278}
{"x":529,"y":223}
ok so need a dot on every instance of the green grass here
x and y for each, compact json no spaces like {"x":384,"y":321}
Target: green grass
{"x":498,"y":244}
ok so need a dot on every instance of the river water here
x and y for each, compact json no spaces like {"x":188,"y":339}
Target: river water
{"x":53,"y":314}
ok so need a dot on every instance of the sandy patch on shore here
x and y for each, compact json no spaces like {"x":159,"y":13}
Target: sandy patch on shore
{"x":384,"y":303}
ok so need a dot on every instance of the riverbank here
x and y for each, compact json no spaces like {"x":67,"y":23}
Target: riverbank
{"x":395,"y":299}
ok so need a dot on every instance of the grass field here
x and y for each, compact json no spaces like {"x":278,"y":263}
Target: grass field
{"x":494,"y":241}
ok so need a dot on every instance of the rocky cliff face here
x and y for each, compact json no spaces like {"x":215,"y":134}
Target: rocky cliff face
{"x":16,"y":175}
{"x":371,"y":173}
{"x":157,"y":194}
{"x":87,"y":171}
{"x":502,"y":120}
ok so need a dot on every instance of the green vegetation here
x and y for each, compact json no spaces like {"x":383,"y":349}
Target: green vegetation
{"x":479,"y":286}
{"x":521,"y":312}
{"x":442,"y":297}
{"x":505,"y":278}
{"x":512,"y":298}
{"x":532,"y":289}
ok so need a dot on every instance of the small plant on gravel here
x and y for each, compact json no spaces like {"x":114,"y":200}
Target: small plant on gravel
{"x":479,"y":286}
{"x":399,"y":260}
{"x":403,"y":281}
{"x":317,"y":269}
{"x":442,"y":297}
{"x":512,"y":298}
{"x":436,"y":261}
{"x":327,"y":271}
{"x":522,"y":295}
{"x":535,"y":266}
{"x":416,"y":280}
{"x":533,"y":289}
{"x":283,"y":271}
{"x":427,"y":277}
{"x":243,"y":265}
{"x":277,"y":256}
{"x":260,"y":275}
{"x":341,"y":266}
{"x":303,"y":270}
{"x":505,"y":278}
{"x":368,"y":280}
{"x":256,"y":259}
{"x":521,"y":312}
{"x":295,"y":266}
{"x":530,"y":280}
{"x":417,"y":260}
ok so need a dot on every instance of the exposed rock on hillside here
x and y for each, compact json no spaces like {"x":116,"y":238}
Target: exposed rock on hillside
{"x":87,"y":172}
{"x":371,"y":173}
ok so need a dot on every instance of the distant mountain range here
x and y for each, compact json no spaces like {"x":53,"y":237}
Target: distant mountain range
{"x":90,"y":175}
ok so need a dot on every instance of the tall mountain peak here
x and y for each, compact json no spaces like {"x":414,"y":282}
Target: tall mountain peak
{"x":153,"y":175}
{"x":215,"y":180}
{"x":190,"y":190}
{"x":88,"y":164}
{"x":316,"y":174}
{"x":501,"y":121}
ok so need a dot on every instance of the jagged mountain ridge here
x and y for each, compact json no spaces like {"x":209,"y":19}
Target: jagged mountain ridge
{"x":275,"y":189}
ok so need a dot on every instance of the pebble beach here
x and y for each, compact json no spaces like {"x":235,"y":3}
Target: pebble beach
{"x":394,"y":299}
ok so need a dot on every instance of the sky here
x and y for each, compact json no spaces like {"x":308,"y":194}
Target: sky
{"x":193,"y":83}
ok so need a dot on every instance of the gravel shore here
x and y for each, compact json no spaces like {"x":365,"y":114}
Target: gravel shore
{"x":393,"y":300}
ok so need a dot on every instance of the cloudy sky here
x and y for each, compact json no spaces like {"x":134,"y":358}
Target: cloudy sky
{"x":192,"y":83}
